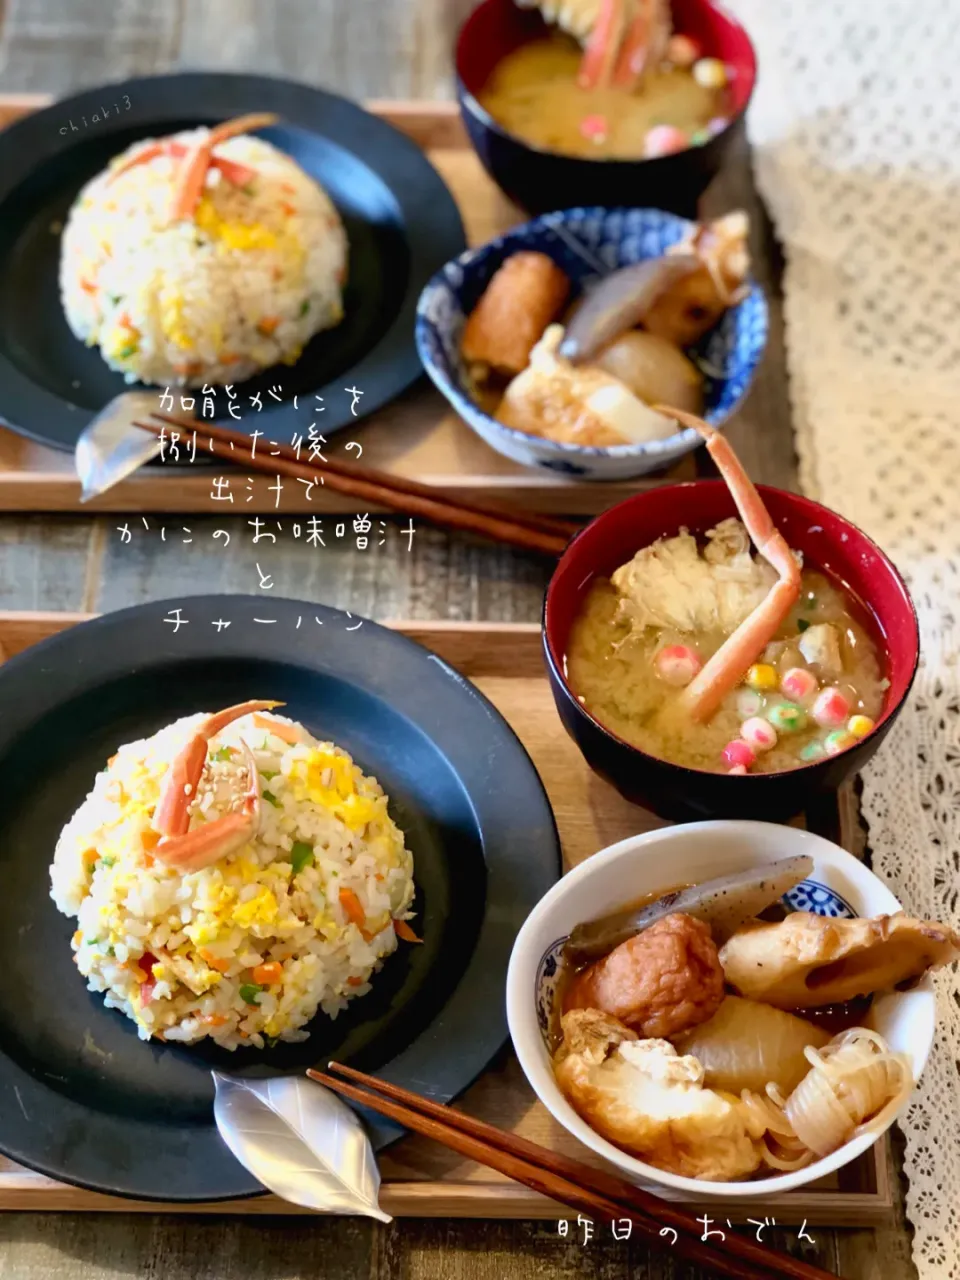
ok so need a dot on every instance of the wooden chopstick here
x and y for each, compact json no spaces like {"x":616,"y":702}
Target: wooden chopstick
{"x":402,"y":484}
{"x":595,"y":1192}
{"x":437,"y":510}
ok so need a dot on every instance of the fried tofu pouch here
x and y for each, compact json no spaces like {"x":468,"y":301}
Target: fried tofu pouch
{"x":696,"y":304}
{"x":660,"y":982}
{"x":525,"y":294}
{"x":648,"y":1100}
{"x":689,"y":310}
{"x":579,"y":404}
{"x":807,"y":961}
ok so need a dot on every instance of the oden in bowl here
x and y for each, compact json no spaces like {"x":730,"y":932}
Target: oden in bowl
{"x":685,"y":1107}
{"x":509,"y":378}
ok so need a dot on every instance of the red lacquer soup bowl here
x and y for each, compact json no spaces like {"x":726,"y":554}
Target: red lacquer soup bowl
{"x":828,"y":543}
{"x":541,"y":181}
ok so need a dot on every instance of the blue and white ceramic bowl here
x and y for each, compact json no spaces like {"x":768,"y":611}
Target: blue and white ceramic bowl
{"x":586,"y":243}
{"x":839,"y":886}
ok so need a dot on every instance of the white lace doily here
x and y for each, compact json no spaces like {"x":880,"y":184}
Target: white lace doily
{"x":856,"y":133}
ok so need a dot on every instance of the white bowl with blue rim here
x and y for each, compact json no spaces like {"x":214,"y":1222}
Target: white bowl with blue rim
{"x":839,"y":886}
{"x":586,"y":243}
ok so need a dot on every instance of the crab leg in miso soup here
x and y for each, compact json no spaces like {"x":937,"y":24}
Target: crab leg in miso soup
{"x":729,"y":664}
{"x":609,"y":79}
{"x":721,"y":650}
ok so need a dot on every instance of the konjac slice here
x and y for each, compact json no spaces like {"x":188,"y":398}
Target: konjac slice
{"x":724,"y":904}
{"x":747,"y":1045}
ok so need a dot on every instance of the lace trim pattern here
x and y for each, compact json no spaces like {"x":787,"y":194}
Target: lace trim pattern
{"x":855,"y":127}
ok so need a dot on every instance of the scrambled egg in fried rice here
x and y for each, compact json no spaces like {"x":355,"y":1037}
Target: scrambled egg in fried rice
{"x":241,"y":284}
{"x":246,"y":950}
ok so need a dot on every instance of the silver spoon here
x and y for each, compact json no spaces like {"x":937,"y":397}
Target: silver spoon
{"x":110,"y":447}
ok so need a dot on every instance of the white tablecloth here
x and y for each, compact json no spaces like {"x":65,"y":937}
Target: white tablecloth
{"x":856,"y":132}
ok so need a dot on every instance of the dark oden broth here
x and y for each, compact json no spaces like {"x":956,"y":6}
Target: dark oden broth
{"x":533,"y":94}
{"x":615,"y":677}
{"x":833,"y":1018}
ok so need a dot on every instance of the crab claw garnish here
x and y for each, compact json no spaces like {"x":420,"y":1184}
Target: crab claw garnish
{"x":644,"y":43}
{"x":628,"y":38}
{"x":724,"y":671}
{"x":211,"y":841}
{"x":192,"y":174}
{"x":172,"y":814}
{"x":599,"y":60}
{"x":143,"y":156}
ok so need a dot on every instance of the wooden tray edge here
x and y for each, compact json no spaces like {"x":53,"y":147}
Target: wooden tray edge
{"x":21,"y":628}
{"x":22,"y":1189}
{"x":411,"y":115}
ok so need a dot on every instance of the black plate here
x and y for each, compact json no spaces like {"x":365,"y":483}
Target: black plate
{"x":82,"y":1099}
{"x":401,"y":221}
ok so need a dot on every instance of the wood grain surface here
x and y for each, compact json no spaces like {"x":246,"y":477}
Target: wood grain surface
{"x":366,"y":49}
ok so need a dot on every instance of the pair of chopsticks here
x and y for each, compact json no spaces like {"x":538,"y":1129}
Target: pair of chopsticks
{"x":597,"y":1194}
{"x":545,"y":534}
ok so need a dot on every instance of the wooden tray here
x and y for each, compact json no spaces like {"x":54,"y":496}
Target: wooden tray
{"x":421,"y":1179}
{"x":418,"y":436}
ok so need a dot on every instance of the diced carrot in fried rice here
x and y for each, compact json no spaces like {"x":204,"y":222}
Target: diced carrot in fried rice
{"x":403,"y":931}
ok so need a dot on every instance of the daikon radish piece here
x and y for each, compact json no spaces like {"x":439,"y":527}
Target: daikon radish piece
{"x":748,"y":1045}
{"x":654,"y":370}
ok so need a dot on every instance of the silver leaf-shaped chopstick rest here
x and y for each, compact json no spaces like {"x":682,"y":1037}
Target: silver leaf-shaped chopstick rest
{"x":110,"y":447}
{"x":301,"y":1141}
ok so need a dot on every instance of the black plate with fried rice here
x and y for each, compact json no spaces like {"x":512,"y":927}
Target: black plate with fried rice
{"x":83,"y":1097}
{"x":400,"y":220}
